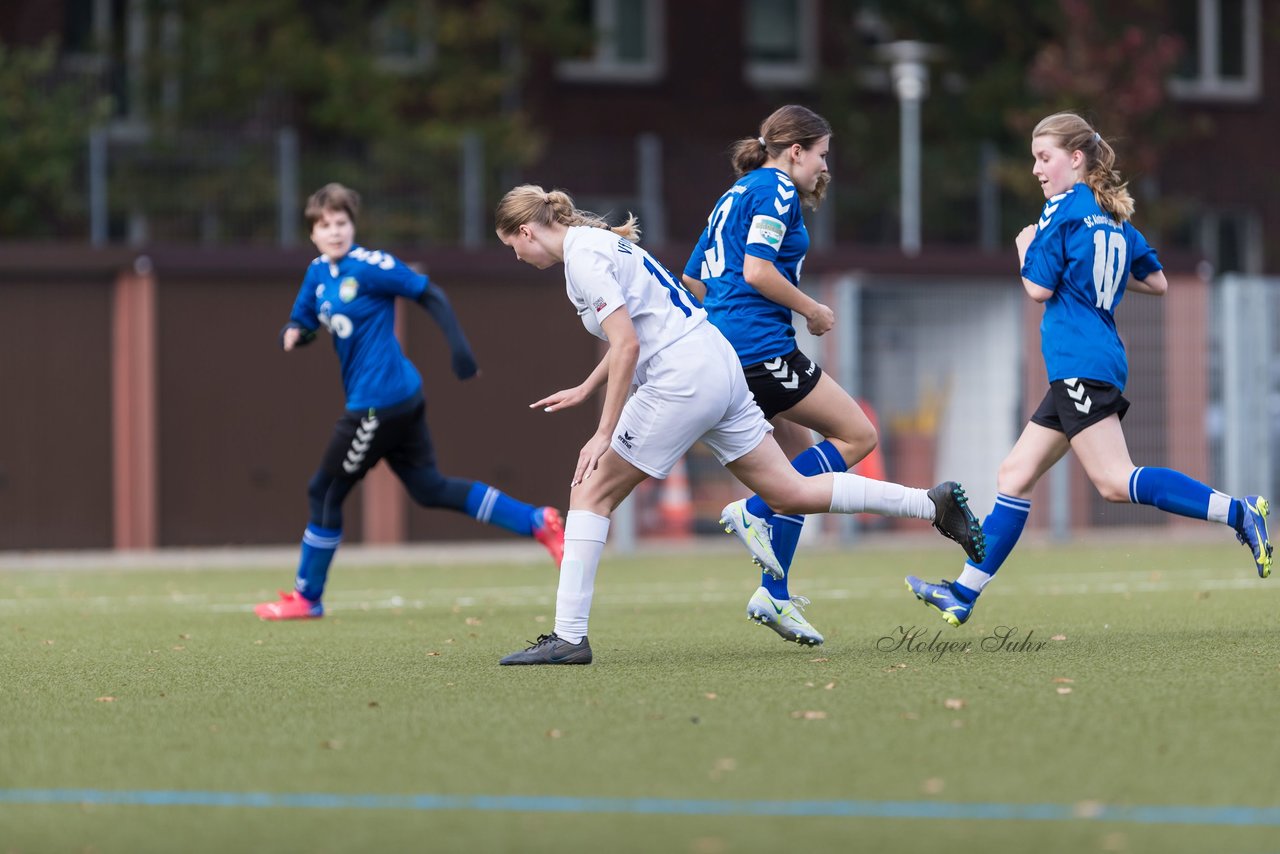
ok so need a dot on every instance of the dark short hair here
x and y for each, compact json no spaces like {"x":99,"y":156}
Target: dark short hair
{"x":332,"y":197}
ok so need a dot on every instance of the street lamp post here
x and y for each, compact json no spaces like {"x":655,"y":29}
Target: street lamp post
{"x":910,"y":74}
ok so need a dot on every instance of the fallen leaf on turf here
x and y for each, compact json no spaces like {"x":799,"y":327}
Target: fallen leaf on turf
{"x":331,"y":744}
{"x":540,"y":619}
{"x":911,"y":716}
{"x":554,"y":733}
{"x":828,"y":686}
{"x":710,"y":695}
{"x":373,"y":704}
{"x":47,"y":643}
{"x":1115,"y":842}
{"x":1058,"y":637}
{"x":213,"y":727}
{"x":432,"y":653}
{"x":809,"y":715}
{"x":473,"y":621}
{"x":178,"y":648}
{"x":257,"y":643}
{"x":1089,"y":809}
{"x":184,"y":636}
{"x":955,"y":703}
{"x":1202,"y":594}
{"x":814,"y":660}
{"x":449,"y":640}
{"x":1064,"y":690}
{"x":810,"y":685}
{"x":105,"y":700}
{"x":957,"y":723}
{"x":726,"y":764}
{"x":933,"y":786}
{"x":1063,"y":679}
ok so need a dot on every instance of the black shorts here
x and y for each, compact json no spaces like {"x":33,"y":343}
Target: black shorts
{"x":397,"y":433}
{"x":779,"y":384}
{"x":1072,"y":405}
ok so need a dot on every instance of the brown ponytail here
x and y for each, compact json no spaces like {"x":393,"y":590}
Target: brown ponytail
{"x":785,"y":127}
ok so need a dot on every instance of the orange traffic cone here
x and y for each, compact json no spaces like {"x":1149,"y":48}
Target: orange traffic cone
{"x":675,"y":504}
{"x":872,"y":465}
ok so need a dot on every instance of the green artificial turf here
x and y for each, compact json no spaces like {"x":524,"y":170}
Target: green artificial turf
{"x":1145,"y":676}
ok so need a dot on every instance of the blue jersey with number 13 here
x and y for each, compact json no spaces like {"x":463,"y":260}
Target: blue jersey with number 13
{"x":760,"y":217}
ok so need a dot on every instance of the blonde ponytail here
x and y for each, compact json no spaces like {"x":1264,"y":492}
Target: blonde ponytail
{"x":1075,"y":134}
{"x":529,"y":203}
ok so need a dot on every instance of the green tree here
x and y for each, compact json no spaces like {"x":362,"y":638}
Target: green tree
{"x":44,"y":134}
{"x":994,"y":74}
{"x":380,"y":92}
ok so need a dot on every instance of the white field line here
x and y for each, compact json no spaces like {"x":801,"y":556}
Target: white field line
{"x":631,"y":593}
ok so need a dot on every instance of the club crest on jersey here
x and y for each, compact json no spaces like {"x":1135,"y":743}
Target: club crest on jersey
{"x":347,"y":290}
{"x":599,"y":304}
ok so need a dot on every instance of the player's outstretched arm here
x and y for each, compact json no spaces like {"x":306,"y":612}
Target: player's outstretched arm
{"x":437,"y":305}
{"x":568,"y":397}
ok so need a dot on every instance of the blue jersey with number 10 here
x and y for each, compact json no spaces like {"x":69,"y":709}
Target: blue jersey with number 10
{"x":1085,"y":257}
{"x":759,"y":216}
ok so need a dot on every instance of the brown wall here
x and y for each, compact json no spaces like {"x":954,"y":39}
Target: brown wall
{"x":55,"y":390}
{"x":241,"y":424}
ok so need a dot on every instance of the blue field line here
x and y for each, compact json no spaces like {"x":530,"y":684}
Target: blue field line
{"x":1224,"y":815}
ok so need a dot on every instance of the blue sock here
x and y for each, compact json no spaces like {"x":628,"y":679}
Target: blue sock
{"x":495,"y":507}
{"x":1174,"y":492}
{"x":318,"y":546}
{"x":1002,"y":527}
{"x":822,"y":457}
{"x":785,"y":538}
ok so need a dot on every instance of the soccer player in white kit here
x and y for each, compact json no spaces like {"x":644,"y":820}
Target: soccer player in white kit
{"x":689,"y":387}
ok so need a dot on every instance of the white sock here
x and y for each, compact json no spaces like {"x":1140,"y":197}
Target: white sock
{"x":852,"y":493}
{"x":584,"y":536}
{"x":973,"y":578}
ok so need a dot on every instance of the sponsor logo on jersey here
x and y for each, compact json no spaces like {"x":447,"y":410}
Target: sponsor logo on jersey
{"x":381,"y":260}
{"x":347,"y":290}
{"x":599,"y":304}
{"x":341,"y":326}
{"x":766,"y":230}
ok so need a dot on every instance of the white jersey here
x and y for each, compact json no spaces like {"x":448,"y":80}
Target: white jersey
{"x":604,"y":272}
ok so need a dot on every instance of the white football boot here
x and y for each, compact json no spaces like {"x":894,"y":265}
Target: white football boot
{"x":755,"y":533}
{"x":783,"y":616}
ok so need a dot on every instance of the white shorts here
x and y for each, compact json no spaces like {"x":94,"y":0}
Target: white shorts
{"x":692,"y":389}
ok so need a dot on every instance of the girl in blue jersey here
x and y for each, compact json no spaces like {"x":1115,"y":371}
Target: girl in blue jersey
{"x":1077,"y":260}
{"x":351,"y":291}
{"x":746,"y":269}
